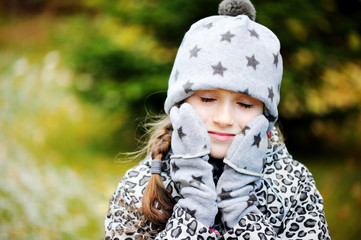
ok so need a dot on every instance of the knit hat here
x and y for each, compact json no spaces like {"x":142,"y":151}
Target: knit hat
{"x":232,"y":52}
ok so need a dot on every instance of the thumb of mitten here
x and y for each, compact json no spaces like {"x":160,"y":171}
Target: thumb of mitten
{"x":190,"y":136}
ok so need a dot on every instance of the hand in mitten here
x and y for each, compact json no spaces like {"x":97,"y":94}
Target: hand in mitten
{"x":190,"y":169}
{"x":243,"y":168}
{"x":190,"y":137}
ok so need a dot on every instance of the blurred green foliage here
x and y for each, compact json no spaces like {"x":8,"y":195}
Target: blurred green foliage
{"x":78,"y":77}
{"x":133,"y":43}
{"x":52,"y":156}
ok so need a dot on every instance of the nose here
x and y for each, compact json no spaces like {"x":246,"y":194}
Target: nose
{"x":223,"y":115}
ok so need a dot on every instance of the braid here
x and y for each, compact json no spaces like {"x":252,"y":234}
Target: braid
{"x":157,"y":203}
{"x":162,"y":143}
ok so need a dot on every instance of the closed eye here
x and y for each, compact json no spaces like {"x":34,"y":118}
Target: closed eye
{"x":245,"y":105}
{"x":206,"y":99}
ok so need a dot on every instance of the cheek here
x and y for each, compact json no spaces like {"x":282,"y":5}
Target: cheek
{"x":203,"y":111}
{"x":204,"y":115}
{"x":246,"y":117}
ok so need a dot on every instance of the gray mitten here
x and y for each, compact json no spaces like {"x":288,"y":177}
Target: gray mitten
{"x":190,"y":169}
{"x":242,"y":171}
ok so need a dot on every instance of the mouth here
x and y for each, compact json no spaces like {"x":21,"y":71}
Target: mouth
{"x":222,"y":137}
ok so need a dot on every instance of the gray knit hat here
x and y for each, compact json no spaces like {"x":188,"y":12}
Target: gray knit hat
{"x":230,"y":52}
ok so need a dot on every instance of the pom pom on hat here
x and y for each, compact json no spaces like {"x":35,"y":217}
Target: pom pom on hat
{"x":237,"y":7}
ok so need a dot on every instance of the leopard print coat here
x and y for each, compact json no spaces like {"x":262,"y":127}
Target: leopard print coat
{"x":291,"y":205}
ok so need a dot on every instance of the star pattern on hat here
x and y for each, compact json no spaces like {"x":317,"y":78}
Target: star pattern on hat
{"x":218,"y":69}
{"x":197,"y":180}
{"x":270,"y":93}
{"x":197,"y":49}
{"x":208,"y":25}
{"x":176,"y":75}
{"x":180,"y":132}
{"x":245,"y":92}
{"x":275,"y":59}
{"x":245,"y":129}
{"x":194,"y":52}
{"x":227,"y":36}
{"x":188,"y":87}
{"x":252,"y":62}
{"x":257,"y":140}
{"x":253,"y":33}
{"x":225,"y":194}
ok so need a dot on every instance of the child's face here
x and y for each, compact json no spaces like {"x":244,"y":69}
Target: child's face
{"x":224,"y":113}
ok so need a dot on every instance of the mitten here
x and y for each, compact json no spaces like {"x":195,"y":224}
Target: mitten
{"x":190,"y":169}
{"x":242,"y":171}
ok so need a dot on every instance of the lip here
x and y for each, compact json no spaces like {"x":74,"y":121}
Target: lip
{"x":222,"y":137}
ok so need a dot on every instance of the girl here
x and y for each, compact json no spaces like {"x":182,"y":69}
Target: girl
{"x":216,"y":166}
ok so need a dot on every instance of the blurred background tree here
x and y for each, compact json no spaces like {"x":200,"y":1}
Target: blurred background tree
{"x":112,"y":63}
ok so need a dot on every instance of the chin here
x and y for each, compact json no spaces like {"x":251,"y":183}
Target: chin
{"x":219,"y":154}
{"x":218,"y":150}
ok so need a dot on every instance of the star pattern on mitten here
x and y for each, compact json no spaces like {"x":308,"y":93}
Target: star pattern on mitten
{"x":271,"y":118}
{"x":253,"y":33}
{"x":198,"y":180}
{"x":244,"y":130}
{"x":257,"y":140}
{"x":270,"y":93}
{"x":218,"y":69}
{"x":194,"y":52}
{"x":180,"y":132}
{"x":227,"y":36}
{"x":275,"y":59}
{"x":188,"y":87}
{"x":252,"y":62}
{"x":225,"y":194}
{"x":175,"y":168}
{"x":191,"y":212}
